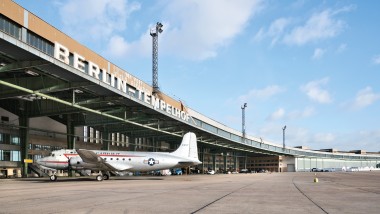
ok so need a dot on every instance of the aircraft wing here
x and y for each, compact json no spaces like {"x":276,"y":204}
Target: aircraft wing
{"x":189,"y":163}
{"x":91,"y":157}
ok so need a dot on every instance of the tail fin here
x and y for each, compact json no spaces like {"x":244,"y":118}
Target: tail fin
{"x":188,"y":147}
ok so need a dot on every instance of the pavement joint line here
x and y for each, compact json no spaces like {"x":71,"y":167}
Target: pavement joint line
{"x":220,"y":198}
{"x":315,"y":203}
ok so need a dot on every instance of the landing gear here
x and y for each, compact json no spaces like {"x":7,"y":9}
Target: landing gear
{"x":53,"y":177}
{"x":106,"y":176}
{"x":103,"y":176}
{"x":99,"y":177}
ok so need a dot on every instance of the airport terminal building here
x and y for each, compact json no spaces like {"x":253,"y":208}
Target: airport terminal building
{"x":56,"y":93}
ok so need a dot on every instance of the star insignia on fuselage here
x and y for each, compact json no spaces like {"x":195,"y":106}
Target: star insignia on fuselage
{"x":151,"y":161}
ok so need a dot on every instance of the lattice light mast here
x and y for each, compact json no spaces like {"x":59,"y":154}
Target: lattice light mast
{"x":243,"y":119}
{"x":283,"y":137}
{"x":154,"y":33}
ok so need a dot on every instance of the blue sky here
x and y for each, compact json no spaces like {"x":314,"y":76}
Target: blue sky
{"x":313,"y":66}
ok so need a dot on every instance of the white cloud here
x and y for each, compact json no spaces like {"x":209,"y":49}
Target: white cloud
{"x":277,"y":115}
{"x":199,"y":28}
{"x":315,"y":92}
{"x":319,"y":26}
{"x":307,"y":112}
{"x":293,"y":115}
{"x":274,"y":31}
{"x":342,"y":48}
{"x":368,"y":139}
{"x":196,"y":30}
{"x":318,"y":53}
{"x":376,"y":60}
{"x":95,"y":19}
{"x":324,"y":138}
{"x":264,"y":93}
{"x":365,"y":97}
{"x":118,"y":47}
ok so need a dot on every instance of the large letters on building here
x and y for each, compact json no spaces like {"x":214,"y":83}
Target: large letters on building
{"x":124,"y":82}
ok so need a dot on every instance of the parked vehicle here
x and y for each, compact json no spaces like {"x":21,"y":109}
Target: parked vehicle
{"x":165,"y":172}
{"x":177,"y":171}
{"x":244,"y":171}
{"x":316,"y":170}
{"x":211,"y":172}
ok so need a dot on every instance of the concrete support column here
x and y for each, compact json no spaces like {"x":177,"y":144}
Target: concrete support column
{"x":24,"y":141}
{"x":132,"y":143}
{"x":70,"y":130}
{"x":225,"y":161}
{"x":70,"y":135}
{"x":154,"y":144}
{"x":214,"y":161}
{"x":245,"y":161}
{"x":202,"y":158}
{"x":236,"y":164}
{"x":106,"y":139}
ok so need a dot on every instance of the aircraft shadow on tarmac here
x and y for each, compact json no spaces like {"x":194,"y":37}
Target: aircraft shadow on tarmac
{"x":92,"y":179}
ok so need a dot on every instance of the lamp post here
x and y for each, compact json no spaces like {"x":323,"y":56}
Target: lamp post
{"x":283,"y":136}
{"x":243,"y":119}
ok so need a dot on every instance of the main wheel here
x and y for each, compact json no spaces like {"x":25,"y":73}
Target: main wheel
{"x":99,"y":177}
{"x":106,"y":176}
{"x":53,"y":177}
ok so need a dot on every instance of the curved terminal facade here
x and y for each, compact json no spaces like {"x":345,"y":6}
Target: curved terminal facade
{"x":56,"y":93}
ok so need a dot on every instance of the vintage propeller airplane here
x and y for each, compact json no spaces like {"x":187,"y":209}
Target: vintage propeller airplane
{"x":119,"y":161}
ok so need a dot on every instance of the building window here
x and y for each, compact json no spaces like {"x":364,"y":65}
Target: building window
{"x":4,"y":138}
{"x":15,"y":141}
{"x":5,"y":155}
{"x":15,"y":156}
{"x":10,"y":27}
{"x":40,"y":43}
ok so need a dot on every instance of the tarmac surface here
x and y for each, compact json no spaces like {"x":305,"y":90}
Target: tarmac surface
{"x":343,"y":192}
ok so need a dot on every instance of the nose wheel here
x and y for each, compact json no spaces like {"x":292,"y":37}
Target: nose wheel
{"x":53,"y":177}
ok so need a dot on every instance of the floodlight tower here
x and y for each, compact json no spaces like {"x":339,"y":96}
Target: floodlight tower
{"x":154,"y":33}
{"x":283,"y":137}
{"x":243,"y":119}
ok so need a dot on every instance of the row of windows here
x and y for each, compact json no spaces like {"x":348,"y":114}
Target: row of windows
{"x":10,"y":27}
{"x":268,"y":164}
{"x":9,"y":139}
{"x":9,"y":155}
{"x":265,"y":161}
{"x":117,"y":159}
{"x":94,"y":136}
{"x":43,"y":147}
{"x":32,"y":39}
{"x":40,"y":43}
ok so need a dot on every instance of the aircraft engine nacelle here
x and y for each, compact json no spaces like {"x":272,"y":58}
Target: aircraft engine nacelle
{"x":78,"y":164}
